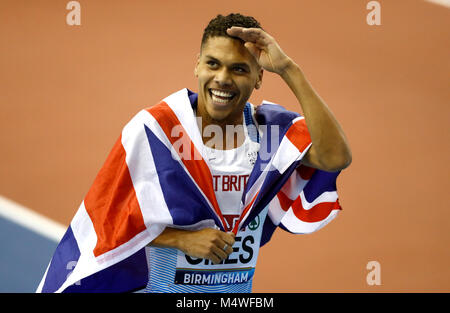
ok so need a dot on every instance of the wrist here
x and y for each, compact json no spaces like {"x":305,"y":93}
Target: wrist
{"x":293,"y":76}
{"x":289,"y":69}
{"x":179,"y":239}
{"x":170,"y":238}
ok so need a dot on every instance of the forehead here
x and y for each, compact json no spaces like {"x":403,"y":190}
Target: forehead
{"x":227,"y":50}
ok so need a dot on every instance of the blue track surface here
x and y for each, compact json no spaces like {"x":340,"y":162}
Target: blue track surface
{"x":24,"y":257}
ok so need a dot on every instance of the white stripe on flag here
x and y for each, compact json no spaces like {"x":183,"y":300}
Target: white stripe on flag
{"x":161,"y":135}
{"x":294,"y":185}
{"x":141,"y":165}
{"x":276,"y":213}
{"x":181,"y":106}
{"x":291,"y":222}
{"x":86,"y":238}
{"x":328,"y":196}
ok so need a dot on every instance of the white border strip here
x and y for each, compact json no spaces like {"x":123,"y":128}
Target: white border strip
{"x":34,"y":221}
{"x":445,"y":3}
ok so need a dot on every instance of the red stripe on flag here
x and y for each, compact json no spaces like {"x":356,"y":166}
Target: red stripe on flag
{"x":112,"y":205}
{"x":191,"y":159}
{"x":284,"y":200}
{"x":298,"y":134}
{"x":305,"y":172}
{"x":317,"y":213}
{"x":244,"y":212}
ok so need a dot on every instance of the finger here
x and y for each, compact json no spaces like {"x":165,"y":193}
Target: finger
{"x":235,"y":31}
{"x":229,"y":250}
{"x":228,"y":238}
{"x":219,"y":253}
{"x":254,"y":35}
{"x":213,"y":258}
{"x":231,"y":234}
{"x":253,"y":49}
{"x":258,"y":36}
{"x":226,"y":247}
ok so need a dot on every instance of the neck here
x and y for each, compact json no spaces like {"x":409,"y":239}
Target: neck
{"x":224,"y":134}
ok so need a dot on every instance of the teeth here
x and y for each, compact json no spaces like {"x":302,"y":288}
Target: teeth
{"x":217,"y":99}
{"x":220,"y":93}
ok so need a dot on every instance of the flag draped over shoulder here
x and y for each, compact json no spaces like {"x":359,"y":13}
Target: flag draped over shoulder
{"x":155,"y":176}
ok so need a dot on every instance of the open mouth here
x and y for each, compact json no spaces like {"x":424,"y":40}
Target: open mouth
{"x":221,"y":96}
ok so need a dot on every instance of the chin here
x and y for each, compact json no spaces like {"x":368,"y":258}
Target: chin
{"x":218,"y":115}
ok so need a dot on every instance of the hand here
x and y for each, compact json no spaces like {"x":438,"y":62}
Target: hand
{"x":207,"y":243}
{"x":263,"y":47}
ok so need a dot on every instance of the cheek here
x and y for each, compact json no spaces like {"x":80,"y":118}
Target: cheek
{"x":204,"y":77}
{"x":246,"y":88}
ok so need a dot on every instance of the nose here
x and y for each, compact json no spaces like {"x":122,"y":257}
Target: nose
{"x":222,"y":77}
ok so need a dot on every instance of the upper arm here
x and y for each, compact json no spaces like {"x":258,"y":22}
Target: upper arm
{"x":332,"y":162}
{"x":311,"y":159}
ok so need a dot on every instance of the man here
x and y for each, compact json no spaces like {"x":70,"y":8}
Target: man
{"x":179,"y":210}
{"x":230,"y":66}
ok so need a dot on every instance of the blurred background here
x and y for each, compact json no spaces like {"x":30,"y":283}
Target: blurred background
{"x":66,"y":91}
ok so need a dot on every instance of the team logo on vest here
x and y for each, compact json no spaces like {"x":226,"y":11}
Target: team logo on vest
{"x":252,"y":157}
{"x":254,"y":224}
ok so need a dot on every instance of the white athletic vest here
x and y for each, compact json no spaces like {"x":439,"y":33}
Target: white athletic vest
{"x":173,"y":271}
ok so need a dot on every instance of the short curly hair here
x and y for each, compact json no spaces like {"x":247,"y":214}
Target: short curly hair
{"x":218,"y":26}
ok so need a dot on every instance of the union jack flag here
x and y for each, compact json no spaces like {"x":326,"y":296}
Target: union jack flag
{"x":156,"y":177}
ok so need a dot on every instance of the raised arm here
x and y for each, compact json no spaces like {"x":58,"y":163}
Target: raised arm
{"x":330,"y":150}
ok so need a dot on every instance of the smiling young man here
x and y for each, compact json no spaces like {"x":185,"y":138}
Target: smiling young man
{"x":235,"y":52}
{"x":194,"y":185}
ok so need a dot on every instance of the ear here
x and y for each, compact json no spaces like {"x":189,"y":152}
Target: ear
{"x":259,"y":81}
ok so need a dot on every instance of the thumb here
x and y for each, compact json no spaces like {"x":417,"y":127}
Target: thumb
{"x":231,"y":233}
{"x":255,"y":51}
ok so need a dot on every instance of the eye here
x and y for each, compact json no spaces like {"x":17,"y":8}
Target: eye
{"x":211,"y":63}
{"x":240,"y":69}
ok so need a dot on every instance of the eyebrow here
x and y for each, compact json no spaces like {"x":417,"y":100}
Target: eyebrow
{"x":243,"y":64}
